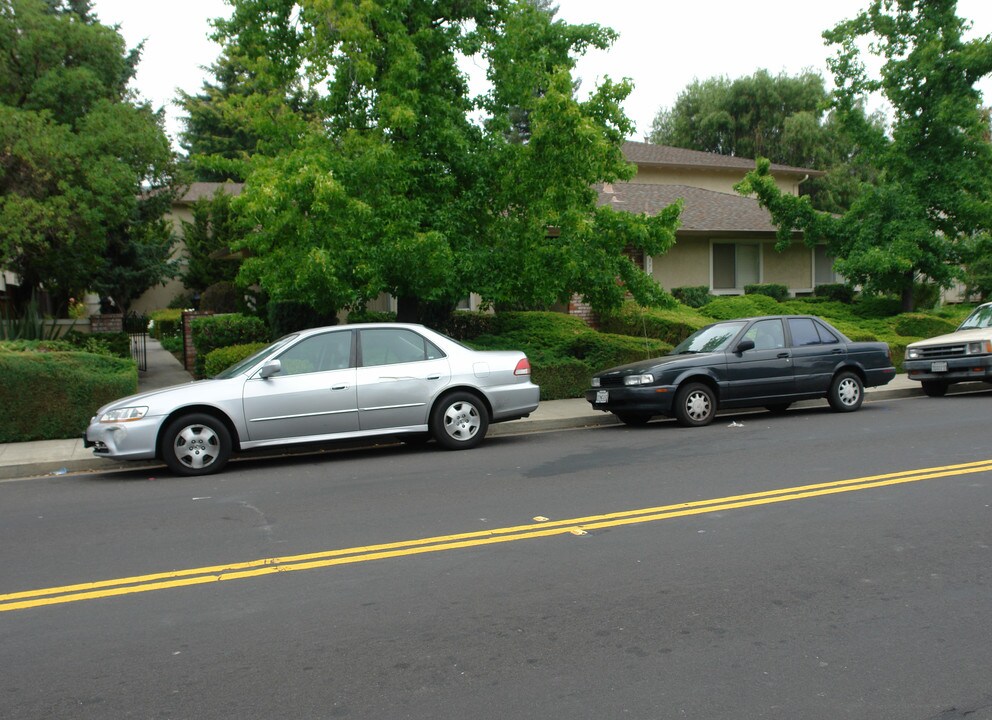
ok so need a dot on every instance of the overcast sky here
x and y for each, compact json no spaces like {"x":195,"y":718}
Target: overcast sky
{"x":663,"y":45}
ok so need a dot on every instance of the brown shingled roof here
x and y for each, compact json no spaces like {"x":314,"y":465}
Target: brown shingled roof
{"x":646,"y":154}
{"x":703,"y":211}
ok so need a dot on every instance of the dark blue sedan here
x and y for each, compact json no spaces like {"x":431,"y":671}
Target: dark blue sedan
{"x":769,"y":362}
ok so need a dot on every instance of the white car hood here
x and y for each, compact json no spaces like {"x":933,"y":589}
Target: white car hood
{"x":959,"y":336}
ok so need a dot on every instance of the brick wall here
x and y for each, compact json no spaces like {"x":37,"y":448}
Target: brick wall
{"x":581,"y":309}
{"x":189,"y":351}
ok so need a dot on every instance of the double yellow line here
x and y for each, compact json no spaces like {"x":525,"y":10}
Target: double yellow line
{"x":575,"y":526}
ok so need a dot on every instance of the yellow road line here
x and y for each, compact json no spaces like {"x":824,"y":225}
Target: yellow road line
{"x":310,"y":561}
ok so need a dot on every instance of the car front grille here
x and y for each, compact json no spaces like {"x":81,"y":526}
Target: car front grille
{"x":941,"y":351}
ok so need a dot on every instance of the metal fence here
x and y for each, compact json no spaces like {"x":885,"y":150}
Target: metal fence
{"x":136,"y":326}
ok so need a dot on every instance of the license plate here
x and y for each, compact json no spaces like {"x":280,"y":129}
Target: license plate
{"x":938,"y":366}
{"x":602,"y":396}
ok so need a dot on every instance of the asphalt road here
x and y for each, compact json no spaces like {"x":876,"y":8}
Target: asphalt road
{"x":811,"y":565}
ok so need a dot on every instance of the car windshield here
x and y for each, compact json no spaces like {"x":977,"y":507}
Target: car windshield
{"x":710,"y":339}
{"x":252,"y":359}
{"x":981,"y":317}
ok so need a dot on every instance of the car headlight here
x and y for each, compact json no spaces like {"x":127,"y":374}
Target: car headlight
{"x":912,"y":353}
{"x":126,"y":414}
{"x":595,"y":382}
{"x":981,"y":347}
{"x":645,"y":379}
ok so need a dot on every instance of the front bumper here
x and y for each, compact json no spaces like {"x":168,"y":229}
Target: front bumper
{"x":965,"y":369}
{"x":124,"y":440}
{"x":653,"y":399}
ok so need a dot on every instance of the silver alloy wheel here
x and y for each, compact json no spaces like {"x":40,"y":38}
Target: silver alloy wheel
{"x":196,"y":447}
{"x":697,"y":405}
{"x":849,"y":391}
{"x":462,"y":421}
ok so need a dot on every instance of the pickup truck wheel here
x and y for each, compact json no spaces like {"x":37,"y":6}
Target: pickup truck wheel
{"x":847,"y":392}
{"x":934,"y":388}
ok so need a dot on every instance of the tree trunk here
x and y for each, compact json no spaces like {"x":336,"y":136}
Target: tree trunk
{"x":908,"y":303}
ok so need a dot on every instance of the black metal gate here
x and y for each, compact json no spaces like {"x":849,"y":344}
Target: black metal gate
{"x":136,"y":326}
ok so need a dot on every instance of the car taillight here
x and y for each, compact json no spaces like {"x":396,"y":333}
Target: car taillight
{"x":522,"y":368}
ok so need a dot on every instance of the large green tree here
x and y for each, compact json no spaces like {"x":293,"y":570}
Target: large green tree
{"x":783,"y":118}
{"x":399,"y":179}
{"x":82,"y":163}
{"x":934,"y":184}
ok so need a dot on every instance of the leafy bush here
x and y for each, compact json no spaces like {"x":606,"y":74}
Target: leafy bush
{"x":839,"y":292}
{"x":370,"y":316}
{"x":878,"y":306}
{"x":116,"y":344}
{"x":216,"y":331}
{"x":464,"y":325}
{"x":289,"y":316}
{"x":772,"y":290}
{"x":694,"y":296}
{"x":224,"y":357}
{"x":918,"y":325}
{"x":166,"y":323}
{"x":739,"y":306}
{"x":76,"y":383}
{"x":671,"y":326}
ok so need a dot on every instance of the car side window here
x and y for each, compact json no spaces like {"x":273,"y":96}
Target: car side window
{"x":826,"y":337}
{"x":766,"y":334}
{"x":803,"y":332}
{"x":389,"y":346}
{"x":318,"y":353}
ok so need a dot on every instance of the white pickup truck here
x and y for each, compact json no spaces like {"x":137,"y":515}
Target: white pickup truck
{"x":964,"y":355}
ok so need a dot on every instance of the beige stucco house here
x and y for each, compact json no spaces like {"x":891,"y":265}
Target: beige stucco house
{"x":726,"y":241}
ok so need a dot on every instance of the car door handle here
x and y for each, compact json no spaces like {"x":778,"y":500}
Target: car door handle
{"x":783,"y":355}
{"x":837,"y":351}
{"x":339,"y":387}
{"x":433,"y":377}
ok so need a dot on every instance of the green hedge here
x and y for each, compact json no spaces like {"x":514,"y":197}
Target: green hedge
{"x":53,"y":395}
{"x":564,"y":352}
{"x":166,"y":323}
{"x":217,"y":331}
{"x":671,"y":326}
{"x":772,"y":290}
{"x":694,"y":296}
{"x":918,"y":325}
{"x":740,"y":306}
{"x":223,"y":358}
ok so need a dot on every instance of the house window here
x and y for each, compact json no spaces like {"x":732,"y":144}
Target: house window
{"x":736,"y":265}
{"x":823,"y":267}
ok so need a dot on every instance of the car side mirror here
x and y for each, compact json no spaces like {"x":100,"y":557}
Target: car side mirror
{"x":269,"y":369}
{"x":745,"y":345}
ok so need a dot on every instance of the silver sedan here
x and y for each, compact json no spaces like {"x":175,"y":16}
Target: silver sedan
{"x":320,"y":385}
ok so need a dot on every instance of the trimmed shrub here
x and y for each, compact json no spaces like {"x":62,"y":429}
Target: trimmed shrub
{"x":53,"y":395}
{"x":694,"y":296}
{"x":561,"y":378}
{"x":671,"y":326}
{"x":730,"y":307}
{"x":917,"y":325}
{"x":216,"y":331}
{"x":772,"y":290}
{"x":464,"y":324}
{"x":116,"y":344}
{"x":222,"y":358}
{"x":289,"y":316}
{"x":838,"y":292}
{"x":876,"y":307}
{"x":166,"y":323}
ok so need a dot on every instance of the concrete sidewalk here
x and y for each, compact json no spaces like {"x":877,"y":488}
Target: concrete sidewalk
{"x":58,"y":457}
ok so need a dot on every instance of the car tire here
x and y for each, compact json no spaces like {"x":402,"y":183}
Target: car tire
{"x":459,"y":421}
{"x":777,"y":408}
{"x":934,"y":388}
{"x":634,"y":419}
{"x":847,"y":392}
{"x":196,"y":444}
{"x":695,"y":405}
